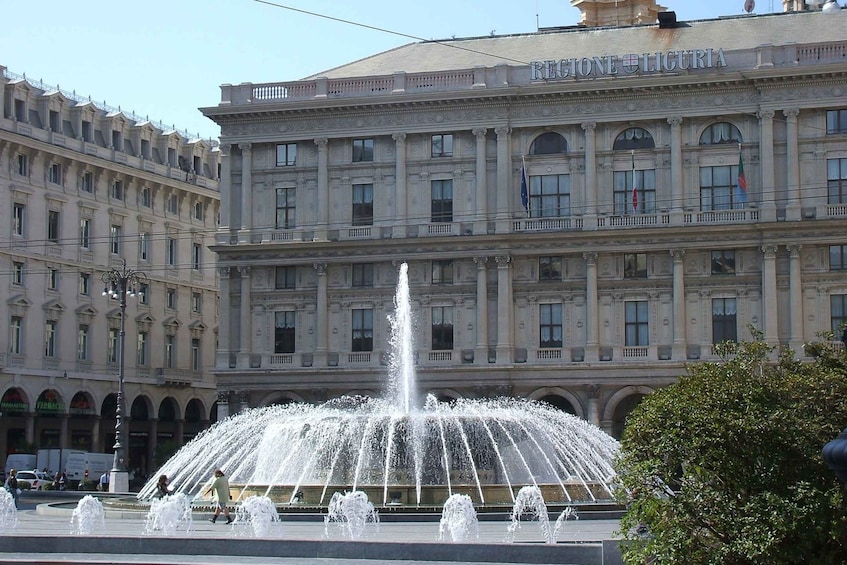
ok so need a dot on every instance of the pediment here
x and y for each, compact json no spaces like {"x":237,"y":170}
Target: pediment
{"x":144,"y":318}
{"x":19,"y":300}
{"x":172,"y":321}
{"x":54,"y":306}
{"x":86,"y":310}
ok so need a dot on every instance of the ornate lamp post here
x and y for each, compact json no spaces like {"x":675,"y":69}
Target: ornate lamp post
{"x":117,"y":283}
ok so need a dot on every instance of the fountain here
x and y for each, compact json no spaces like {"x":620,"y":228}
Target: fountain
{"x":352,"y":512}
{"x":530,"y":501}
{"x":568,"y":513}
{"x":399,"y":450}
{"x":458,"y":518}
{"x":259,"y":512}
{"x":88,"y":517}
{"x":168,"y":514}
{"x":8,"y":511}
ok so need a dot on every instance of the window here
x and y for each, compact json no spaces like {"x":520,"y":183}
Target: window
{"x":442,"y":201}
{"x":52,"y":278}
{"x":718,"y":188}
{"x":141,"y":349}
{"x":363,"y":204}
{"x":82,"y":343}
{"x":285,"y":208}
{"x":550,"y":325}
{"x":720,"y":133}
{"x":54,"y":173}
{"x":549,"y":143}
{"x":85,"y":233}
{"x":16,"y":335}
{"x":86,"y":131}
{"x":442,"y":327}
{"x":196,"y":302}
{"x":53,"y":121}
{"x":171,"y":251}
{"x":20,"y":110}
{"x":549,"y":268}
{"x":198,"y":211}
{"x":442,"y":145}
{"x":635,"y":266}
{"x":144,"y":246}
{"x":286,"y":154}
{"x":196,"y":256}
{"x":550,"y":195}
{"x":85,"y":284}
{"x":115,"y":239}
{"x":195,"y":354}
{"x":363,"y":150}
{"x":117,"y":190}
{"x":636,"y":324}
{"x":50,"y":338}
{"x":836,"y":181}
{"x":723,"y":262}
{"x":117,"y":141}
{"x":363,"y":330}
{"x":634,"y":138}
{"x":23,"y":165}
{"x":285,"y":278}
{"x":635,"y":192}
{"x":170,"y":351}
{"x":442,"y":272}
{"x":17,"y":273}
{"x":284,"y":331}
{"x":838,"y":257}
{"x":146,"y":197}
{"x":170,"y":298}
{"x":171,"y":205}
{"x":86,"y":182}
{"x":363,"y":274}
{"x":112,"y":347}
{"x":18,"y":219}
{"x":53,"y":226}
{"x":143,"y":293}
{"x":838,"y":312}
{"x":724,"y":327}
{"x":836,"y":122}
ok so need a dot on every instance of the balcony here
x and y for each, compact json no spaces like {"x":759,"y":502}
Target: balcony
{"x":176,"y":377}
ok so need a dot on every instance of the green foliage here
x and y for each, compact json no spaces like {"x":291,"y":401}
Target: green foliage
{"x":725,"y":465}
{"x":24,"y":485}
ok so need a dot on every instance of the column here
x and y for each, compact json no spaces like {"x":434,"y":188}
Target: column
{"x":224,"y":345}
{"x":322,"y":205}
{"x":63,"y":431}
{"x":504,"y":309}
{"x":96,"y":440}
{"x":766,"y":165}
{"x":590,"y":203}
{"x":225,"y":187}
{"x":29,"y":428}
{"x":481,"y":223}
{"x":677,"y":193}
{"x":223,"y":405}
{"x":401,"y":216}
{"x":593,"y":393}
{"x":481,"y":353}
{"x":592,"y":328}
{"x":680,"y":344}
{"x":179,"y":435}
{"x":246,"y":193}
{"x":795,"y":290}
{"x":793,"y":207}
{"x":322,"y":315}
{"x":504,"y":178}
{"x":153,"y":441}
{"x":244,"y":319}
{"x":769,"y":301}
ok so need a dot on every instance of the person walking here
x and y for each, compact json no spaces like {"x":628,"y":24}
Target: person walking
{"x":220,"y":486}
{"x":162,"y":489}
{"x":104,"y":482}
{"x":12,"y":485}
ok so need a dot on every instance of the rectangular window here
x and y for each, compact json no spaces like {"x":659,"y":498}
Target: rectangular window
{"x":198,"y":211}
{"x":195,"y":354}
{"x":112,"y":346}
{"x":145,"y":149}
{"x":171,"y":251}
{"x":82,"y":343}
{"x":53,"y":226}
{"x":285,"y":278}
{"x":171,"y":205}
{"x":86,"y":182}
{"x":363,"y":330}
{"x":172,"y":157}
{"x":838,"y":313}
{"x":23,"y":165}
{"x":836,"y":122}
{"x":146,"y":197}
{"x":836,"y":181}
{"x":718,"y":188}
{"x":52,"y":279}
{"x":442,"y":328}
{"x":196,"y":302}
{"x":196,"y":256}
{"x":16,"y":335}
{"x":442,"y":272}
{"x":286,"y":154}
{"x":17,"y":273}
{"x":54,"y":173}
{"x":20,"y":110}
{"x":363,"y":204}
{"x":442,"y":201}
{"x":170,"y":351}
{"x":85,"y":233}
{"x":284,"y":332}
{"x":636,"y":323}
{"x":115,"y":239}
{"x":635,"y":266}
{"x":724,"y":327}
{"x":143,"y":293}
{"x":117,"y":190}
{"x":285,"y":208}
{"x":50,"y":338}
{"x":117,"y":141}
{"x":363,"y":274}
{"x":85,"y":284}
{"x":363,"y":150}
{"x":141,"y":349}
{"x":87,"y":131}
{"x":18,"y":219}
{"x":723,"y":262}
{"x":442,"y":145}
{"x":53,"y":121}
{"x":550,"y":325}
{"x":838,"y":257}
{"x":635,"y":194}
{"x":549,"y":268}
{"x":144,"y":246}
{"x":550,"y":196}
{"x":170,"y":298}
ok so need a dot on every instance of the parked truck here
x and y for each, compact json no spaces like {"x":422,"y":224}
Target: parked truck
{"x":75,"y":463}
{"x":20,"y":462}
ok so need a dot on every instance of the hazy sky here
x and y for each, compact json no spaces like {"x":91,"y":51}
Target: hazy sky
{"x":166,"y":58}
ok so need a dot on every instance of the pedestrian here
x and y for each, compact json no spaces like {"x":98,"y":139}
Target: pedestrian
{"x":220,"y":486}
{"x":63,"y":478}
{"x":162,"y":489}
{"x":104,"y":482}
{"x":12,"y":485}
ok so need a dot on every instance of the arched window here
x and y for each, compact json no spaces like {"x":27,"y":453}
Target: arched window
{"x":721,"y":132}
{"x":634,"y":138}
{"x":549,"y":143}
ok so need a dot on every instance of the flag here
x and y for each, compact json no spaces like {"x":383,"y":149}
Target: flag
{"x":634,"y":187}
{"x":741,"y":185}
{"x":524,"y":187}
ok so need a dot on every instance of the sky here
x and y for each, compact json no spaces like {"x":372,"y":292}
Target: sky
{"x":164,"y":59}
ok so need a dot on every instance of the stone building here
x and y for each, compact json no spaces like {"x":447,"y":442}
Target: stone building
{"x":88,"y":188}
{"x":584,"y":210}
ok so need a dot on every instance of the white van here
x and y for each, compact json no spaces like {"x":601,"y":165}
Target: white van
{"x":20,"y":461}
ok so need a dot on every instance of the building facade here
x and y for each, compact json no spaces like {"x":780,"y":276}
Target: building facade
{"x":584,"y":211}
{"x":87,"y":190}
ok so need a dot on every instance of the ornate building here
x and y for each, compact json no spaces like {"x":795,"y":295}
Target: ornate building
{"x":585,"y":211}
{"x":89,"y":188}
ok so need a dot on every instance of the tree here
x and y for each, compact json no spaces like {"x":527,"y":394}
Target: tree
{"x":725,"y":465}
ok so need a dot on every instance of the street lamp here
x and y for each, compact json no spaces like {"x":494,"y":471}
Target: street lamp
{"x":117,"y":283}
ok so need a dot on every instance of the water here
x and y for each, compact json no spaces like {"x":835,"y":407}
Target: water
{"x":401,"y":444}
{"x":458,"y":518}
{"x":529,"y":501}
{"x":258,"y":512}
{"x":351,"y":512}
{"x":88,"y":517}
{"x":169,"y":514}
{"x":8,"y":511}
{"x":567,"y":514}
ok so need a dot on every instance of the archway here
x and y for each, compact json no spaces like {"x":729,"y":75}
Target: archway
{"x":15,"y":407}
{"x":49,"y":408}
{"x":81,"y":420}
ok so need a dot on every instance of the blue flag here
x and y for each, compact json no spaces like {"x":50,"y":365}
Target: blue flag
{"x":524,"y":187}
